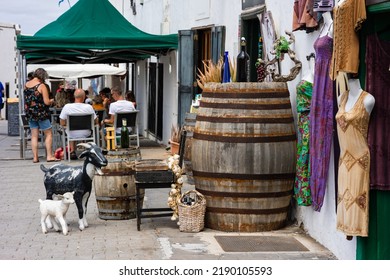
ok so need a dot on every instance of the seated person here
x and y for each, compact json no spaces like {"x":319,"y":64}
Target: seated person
{"x":131,"y":97}
{"x":120,"y":105}
{"x":97,"y":103}
{"x":105,"y":94}
{"x":78,"y":107}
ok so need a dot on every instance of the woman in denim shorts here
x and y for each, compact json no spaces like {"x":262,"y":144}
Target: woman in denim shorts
{"x":36,"y":106}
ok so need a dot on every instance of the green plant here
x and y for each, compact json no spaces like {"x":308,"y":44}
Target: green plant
{"x":281,"y":46}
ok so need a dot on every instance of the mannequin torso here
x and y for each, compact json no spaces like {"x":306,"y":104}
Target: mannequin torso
{"x":327,"y":28}
{"x":340,"y":2}
{"x":355,"y":91}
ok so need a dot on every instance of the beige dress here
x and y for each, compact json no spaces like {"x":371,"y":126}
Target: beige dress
{"x":354,"y":167}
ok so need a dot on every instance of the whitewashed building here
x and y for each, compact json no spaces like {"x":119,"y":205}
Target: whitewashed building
{"x":9,"y":58}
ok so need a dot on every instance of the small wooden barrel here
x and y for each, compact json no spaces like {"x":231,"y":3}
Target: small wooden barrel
{"x":125,"y":154}
{"x":115,"y":191}
{"x":243,"y":155}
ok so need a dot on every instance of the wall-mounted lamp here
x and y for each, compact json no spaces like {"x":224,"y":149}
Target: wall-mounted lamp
{"x":141,"y":2}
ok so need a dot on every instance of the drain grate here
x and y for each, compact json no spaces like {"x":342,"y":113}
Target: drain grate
{"x":259,"y":244}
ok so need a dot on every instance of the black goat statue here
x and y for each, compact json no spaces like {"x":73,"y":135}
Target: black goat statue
{"x":61,"y":178}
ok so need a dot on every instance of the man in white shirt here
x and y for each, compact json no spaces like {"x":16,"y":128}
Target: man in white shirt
{"x":121,"y":105}
{"x":78,"y":107}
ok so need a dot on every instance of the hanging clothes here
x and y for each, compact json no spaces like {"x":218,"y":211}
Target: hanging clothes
{"x":303,"y":16}
{"x":378,"y":82}
{"x":377,"y":245}
{"x":348,"y":18}
{"x":321,"y":121}
{"x":354,"y":167}
{"x":301,"y":188}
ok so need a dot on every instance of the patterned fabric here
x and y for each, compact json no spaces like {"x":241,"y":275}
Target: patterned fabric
{"x":302,"y":179}
{"x":348,"y":19}
{"x":378,"y":84}
{"x":354,"y":167}
{"x":321,"y":121}
{"x":35,"y":108}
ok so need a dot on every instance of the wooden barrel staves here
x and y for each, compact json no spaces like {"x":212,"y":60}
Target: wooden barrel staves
{"x":115,"y":190}
{"x":243,"y":155}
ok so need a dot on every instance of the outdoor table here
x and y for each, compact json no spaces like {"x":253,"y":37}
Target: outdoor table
{"x":152,"y":174}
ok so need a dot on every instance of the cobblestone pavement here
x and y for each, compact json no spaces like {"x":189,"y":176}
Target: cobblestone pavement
{"x":159,"y":239}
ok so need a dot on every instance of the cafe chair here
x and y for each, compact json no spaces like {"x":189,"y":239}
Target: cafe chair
{"x":132,"y":122}
{"x":79,"y":122}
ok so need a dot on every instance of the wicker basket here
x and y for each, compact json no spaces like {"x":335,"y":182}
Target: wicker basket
{"x":191,"y":217}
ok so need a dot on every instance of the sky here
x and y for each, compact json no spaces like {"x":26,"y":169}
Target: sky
{"x":32,"y":15}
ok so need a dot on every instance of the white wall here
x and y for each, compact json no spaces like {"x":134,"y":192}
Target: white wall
{"x":8,"y":57}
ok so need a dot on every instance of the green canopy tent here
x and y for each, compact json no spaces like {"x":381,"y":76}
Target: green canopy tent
{"x":92,"y":31}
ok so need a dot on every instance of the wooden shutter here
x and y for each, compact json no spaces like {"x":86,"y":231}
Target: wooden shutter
{"x":217,"y":42}
{"x":186,"y":73}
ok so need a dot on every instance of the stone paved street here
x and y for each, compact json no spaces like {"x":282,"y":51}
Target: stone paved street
{"x":21,"y":238}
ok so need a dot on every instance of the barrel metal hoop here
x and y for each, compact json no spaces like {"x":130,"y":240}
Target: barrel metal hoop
{"x":118,"y":173}
{"x":246,"y":211}
{"x":119,"y":198}
{"x":237,"y":119}
{"x":274,"y":93}
{"x":239,"y":139}
{"x":244,"y":195}
{"x":245,"y":106}
{"x":278,"y":176}
{"x":116,"y":211}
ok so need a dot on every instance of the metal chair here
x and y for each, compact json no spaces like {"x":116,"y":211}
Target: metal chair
{"x":132,"y":121}
{"x":79,"y":122}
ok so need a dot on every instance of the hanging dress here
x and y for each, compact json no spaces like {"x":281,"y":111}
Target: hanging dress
{"x":354,"y":167}
{"x":302,"y":187}
{"x":321,"y":121}
{"x":377,"y":245}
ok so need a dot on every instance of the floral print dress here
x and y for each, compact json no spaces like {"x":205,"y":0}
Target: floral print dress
{"x":302,"y":180}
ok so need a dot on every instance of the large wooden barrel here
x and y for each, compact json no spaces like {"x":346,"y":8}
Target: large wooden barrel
{"x":243,"y":155}
{"x":115,"y":189}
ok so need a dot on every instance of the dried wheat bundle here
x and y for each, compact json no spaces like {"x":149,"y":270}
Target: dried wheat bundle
{"x":212,"y":72}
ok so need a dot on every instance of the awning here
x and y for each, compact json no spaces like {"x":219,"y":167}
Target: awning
{"x":74,"y":71}
{"x":92,"y":31}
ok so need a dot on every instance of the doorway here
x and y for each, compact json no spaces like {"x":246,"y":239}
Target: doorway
{"x":155,"y":100}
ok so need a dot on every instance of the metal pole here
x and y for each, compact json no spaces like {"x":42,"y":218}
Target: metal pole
{"x":157,"y":76}
{"x":22,"y":69}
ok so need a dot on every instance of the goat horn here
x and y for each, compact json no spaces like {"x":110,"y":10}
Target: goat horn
{"x":86,"y":145}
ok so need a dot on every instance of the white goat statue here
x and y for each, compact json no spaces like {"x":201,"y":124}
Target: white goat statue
{"x":56,"y":209}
